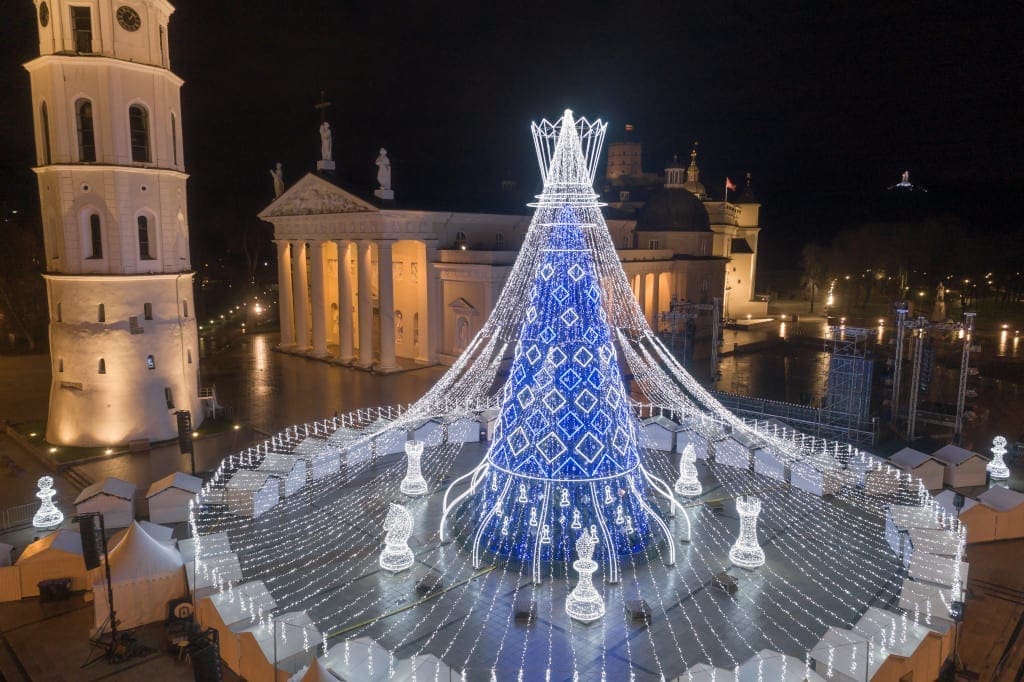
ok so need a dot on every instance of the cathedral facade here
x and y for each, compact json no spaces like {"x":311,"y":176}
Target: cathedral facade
{"x":379,"y":287}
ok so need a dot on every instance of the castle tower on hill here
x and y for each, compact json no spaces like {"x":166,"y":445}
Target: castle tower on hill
{"x":107,"y":111}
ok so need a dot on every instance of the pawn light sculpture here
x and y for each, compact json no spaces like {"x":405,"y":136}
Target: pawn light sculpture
{"x":584,"y":603}
{"x":688,"y":485}
{"x":397,"y":556}
{"x":48,"y":515}
{"x":997,"y":467}
{"x":746,"y":553}
{"x":413,"y":484}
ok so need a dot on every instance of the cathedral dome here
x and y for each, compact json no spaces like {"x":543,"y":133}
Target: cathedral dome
{"x":673,"y":209}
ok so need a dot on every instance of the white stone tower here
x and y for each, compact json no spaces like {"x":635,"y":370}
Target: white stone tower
{"x":123,"y":343}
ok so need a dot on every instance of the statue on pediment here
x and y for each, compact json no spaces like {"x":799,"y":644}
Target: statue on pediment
{"x":383,"y":169}
{"x":326,"y":142}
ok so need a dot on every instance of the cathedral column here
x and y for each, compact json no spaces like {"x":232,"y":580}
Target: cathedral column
{"x":286,"y":311}
{"x":641,"y":294}
{"x":365,"y":306}
{"x":344,"y":303}
{"x":316,"y":258}
{"x":435,"y":311}
{"x":386,"y":299}
{"x":300,"y":294}
{"x":656,"y":301}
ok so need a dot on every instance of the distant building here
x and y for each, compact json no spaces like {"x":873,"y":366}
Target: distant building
{"x":107,"y":114}
{"x":371,"y":282}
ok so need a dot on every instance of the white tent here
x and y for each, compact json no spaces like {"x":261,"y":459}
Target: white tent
{"x":288,"y":470}
{"x":145,"y":576}
{"x":112,"y":497}
{"x":162,"y":534}
{"x":169,"y":497}
{"x":250,"y":493}
{"x":58,"y":555}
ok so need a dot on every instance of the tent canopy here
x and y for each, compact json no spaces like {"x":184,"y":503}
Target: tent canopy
{"x":139,"y":556}
{"x":65,"y":541}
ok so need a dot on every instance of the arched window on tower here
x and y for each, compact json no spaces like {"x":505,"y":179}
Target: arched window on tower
{"x":461,"y":241}
{"x":101,"y":313}
{"x":95,"y":237}
{"x":163,"y":52}
{"x":86,"y":134}
{"x":44,"y":123}
{"x":81,"y":28}
{"x":101,"y":368}
{"x":499,"y":241}
{"x":174,"y":138}
{"x":145,"y":239}
{"x":138,"y":125}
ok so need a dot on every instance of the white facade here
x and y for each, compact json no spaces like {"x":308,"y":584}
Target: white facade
{"x":123,"y":341}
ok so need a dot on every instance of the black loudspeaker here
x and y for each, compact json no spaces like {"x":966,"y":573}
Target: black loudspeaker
{"x":92,"y":543}
{"x":958,"y":501}
{"x":204,"y":651}
{"x":524,"y":608}
{"x":639,"y":609}
{"x":726,"y":583}
{"x":428,"y":584}
{"x":184,"y":431}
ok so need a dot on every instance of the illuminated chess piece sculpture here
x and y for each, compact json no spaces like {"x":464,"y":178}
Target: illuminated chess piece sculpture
{"x":413,"y":484}
{"x":396,"y":555}
{"x":688,"y":485}
{"x":997,"y":467}
{"x":584,"y":603}
{"x":48,"y":515}
{"x":746,"y":553}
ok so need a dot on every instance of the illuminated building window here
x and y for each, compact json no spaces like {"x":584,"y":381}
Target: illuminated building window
{"x":461,"y":241}
{"x":169,"y":397}
{"x":653,"y":244}
{"x":81,"y":28}
{"x":95,"y":237}
{"x":704,"y":285}
{"x":59,"y":318}
{"x":138,"y":125}
{"x":44,"y":123}
{"x":102,"y":367}
{"x":144,"y":239}
{"x":174,"y":134}
{"x":188,"y":354}
{"x":60,"y":364}
{"x":147,"y":311}
{"x":499,"y":241}
{"x":150,"y":362}
{"x":86,"y":135}
{"x":101,"y":313}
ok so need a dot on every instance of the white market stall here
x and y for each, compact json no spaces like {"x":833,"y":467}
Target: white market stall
{"x":113,"y":498}
{"x":290,"y":639}
{"x":769,"y":463}
{"x":463,"y":430}
{"x":930,"y":470}
{"x":145,"y":575}
{"x":964,"y":468}
{"x":169,"y":497}
{"x":660,"y":432}
{"x":321,"y":457}
{"x":998,"y":515}
{"x":251,"y":493}
{"x":232,"y":611}
{"x":430,"y":432}
{"x":288,"y":470}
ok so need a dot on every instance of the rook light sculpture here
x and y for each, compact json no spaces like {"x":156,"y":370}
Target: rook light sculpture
{"x":413,"y":484}
{"x":746,"y":553}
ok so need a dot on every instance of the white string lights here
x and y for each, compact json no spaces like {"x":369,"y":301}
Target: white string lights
{"x":413,"y":484}
{"x":747,"y":552}
{"x":997,"y":468}
{"x":396,"y":555}
{"x":498,"y":511}
{"x":48,"y":515}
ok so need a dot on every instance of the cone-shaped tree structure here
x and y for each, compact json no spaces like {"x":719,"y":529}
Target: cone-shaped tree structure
{"x":566,"y":454}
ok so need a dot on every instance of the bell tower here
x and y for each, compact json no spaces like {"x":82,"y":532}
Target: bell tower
{"x":112,"y":190}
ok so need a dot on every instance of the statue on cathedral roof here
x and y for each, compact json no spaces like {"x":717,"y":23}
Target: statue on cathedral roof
{"x":278,"y":175}
{"x":325,"y":142}
{"x":383,"y":169}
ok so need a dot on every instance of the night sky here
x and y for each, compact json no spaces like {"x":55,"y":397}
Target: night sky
{"x":824,"y":106}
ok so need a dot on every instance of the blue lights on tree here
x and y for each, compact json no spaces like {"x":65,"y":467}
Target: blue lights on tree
{"x":565,"y":457}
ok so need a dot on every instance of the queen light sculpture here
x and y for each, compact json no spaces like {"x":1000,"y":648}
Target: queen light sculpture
{"x":746,"y":553}
{"x":413,"y":484}
{"x":48,"y":515}
{"x":566,"y":431}
{"x":688,"y":485}
{"x":997,"y":468}
{"x":584,"y":603}
{"x":397,"y":556}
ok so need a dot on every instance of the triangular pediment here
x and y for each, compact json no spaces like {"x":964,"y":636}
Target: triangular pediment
{"x":462,"y":305}
{"x":312,"y":195}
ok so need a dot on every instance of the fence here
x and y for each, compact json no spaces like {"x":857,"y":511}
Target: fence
{"x":16,"y":517}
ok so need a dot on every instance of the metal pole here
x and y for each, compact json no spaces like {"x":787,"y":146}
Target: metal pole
{"x":110,"y":588}
{"x":901,"y":318}
{"x":915,"y":380}
{"x":965,"y":362}
{"x":716,"y":322}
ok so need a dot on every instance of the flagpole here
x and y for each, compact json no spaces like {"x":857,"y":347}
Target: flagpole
{"x":727,"y":190}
